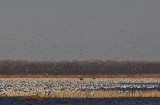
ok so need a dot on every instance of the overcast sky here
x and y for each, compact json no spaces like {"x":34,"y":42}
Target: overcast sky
{"x":80,"y":29}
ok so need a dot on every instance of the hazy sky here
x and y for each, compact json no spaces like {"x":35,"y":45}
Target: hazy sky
{"x":80,"y":29}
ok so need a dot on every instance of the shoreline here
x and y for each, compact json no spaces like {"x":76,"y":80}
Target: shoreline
{"x":80,"y":76}
{"x":90,"y":94}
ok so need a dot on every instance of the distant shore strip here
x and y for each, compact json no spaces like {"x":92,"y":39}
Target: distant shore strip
{"x":80,"y":76}
{"x":84,"y":69}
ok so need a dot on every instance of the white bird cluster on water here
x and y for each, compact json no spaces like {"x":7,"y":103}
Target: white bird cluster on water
{"x":49,"y":85}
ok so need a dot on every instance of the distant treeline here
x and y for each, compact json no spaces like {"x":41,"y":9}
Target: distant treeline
{"x":79,"y":67}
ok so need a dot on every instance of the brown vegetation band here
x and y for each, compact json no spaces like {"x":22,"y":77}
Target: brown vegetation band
{"x":94,"y":76}
{"x":98,"y":67}
{"x":89,"y":94}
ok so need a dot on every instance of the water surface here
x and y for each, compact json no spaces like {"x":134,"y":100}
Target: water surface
{"x":66,"y":101}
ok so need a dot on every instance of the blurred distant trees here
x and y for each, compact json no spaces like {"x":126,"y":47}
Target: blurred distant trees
{"x":79,"y":67}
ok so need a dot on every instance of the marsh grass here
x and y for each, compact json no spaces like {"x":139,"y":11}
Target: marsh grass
{"x":89,"y":94}
{"x":106,"y":94}
{"x":34,"y":97}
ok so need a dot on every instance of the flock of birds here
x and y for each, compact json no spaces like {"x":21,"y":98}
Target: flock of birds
{"x":46,"y":86}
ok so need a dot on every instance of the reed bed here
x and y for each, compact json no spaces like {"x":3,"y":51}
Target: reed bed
{"x":106,"y":94}
{"x":90,"y":94}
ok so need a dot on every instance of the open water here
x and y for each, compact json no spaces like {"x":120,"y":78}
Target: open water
{"x":66,"y":101}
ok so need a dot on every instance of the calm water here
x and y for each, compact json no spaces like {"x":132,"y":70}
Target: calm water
{"x":126,"y":87}
{"x":55,"y":101}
